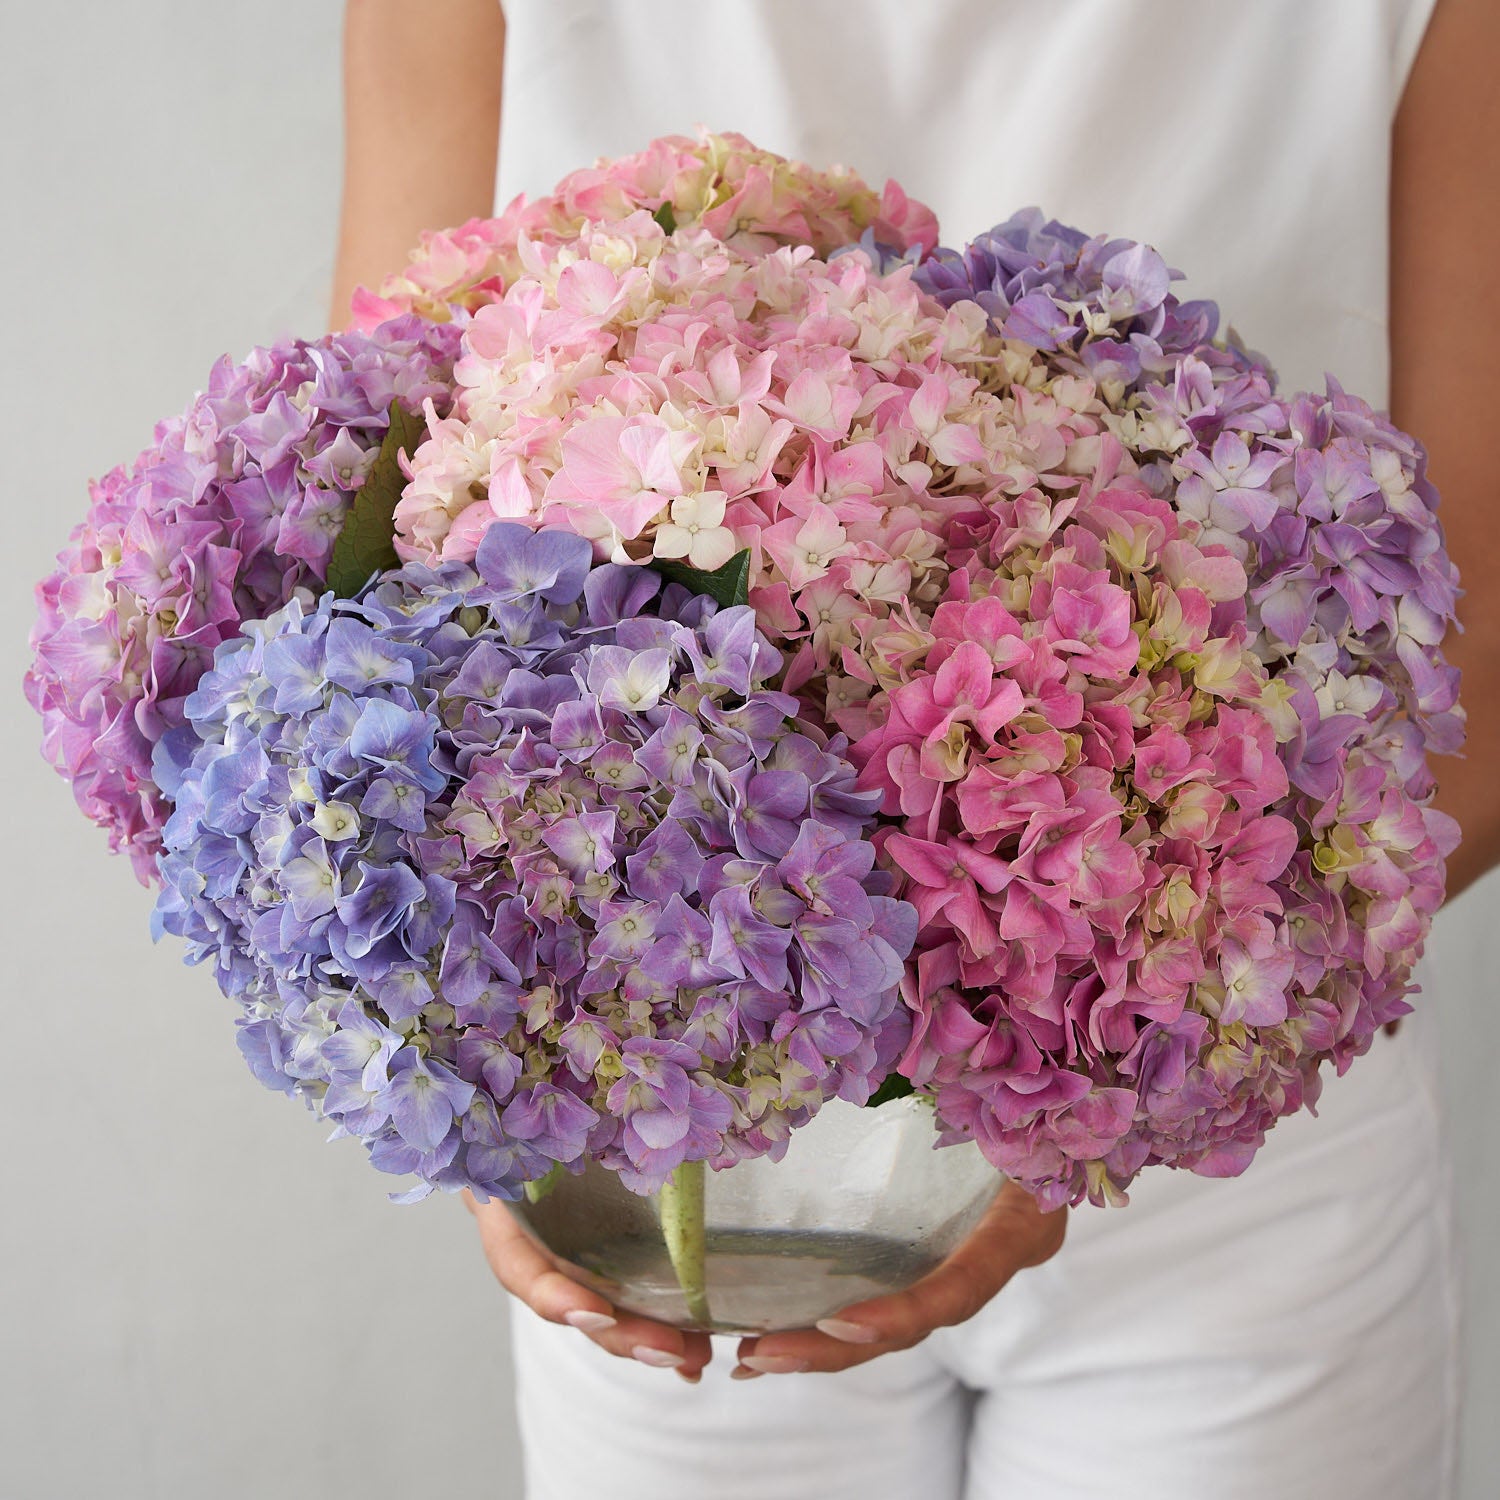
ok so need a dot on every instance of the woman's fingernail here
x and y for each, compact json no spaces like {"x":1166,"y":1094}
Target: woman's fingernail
{"x":740,"y":1372}
{"x":774,"y":1364}
{"x":691,"y":1376}
{"x":658,"y":1358}
{"x":848,"y":1333}
{"x":589,"y":1322}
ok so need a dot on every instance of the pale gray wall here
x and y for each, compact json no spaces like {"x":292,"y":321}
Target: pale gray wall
{"x":197,"y":1298}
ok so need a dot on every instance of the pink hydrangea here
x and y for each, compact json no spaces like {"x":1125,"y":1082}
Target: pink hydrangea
{"x":752,"y":199}
{"x":671,"y":397}
{"x":1157,"y":762}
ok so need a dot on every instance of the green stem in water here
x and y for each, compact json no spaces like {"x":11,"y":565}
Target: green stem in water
{"x":682,"y":1228}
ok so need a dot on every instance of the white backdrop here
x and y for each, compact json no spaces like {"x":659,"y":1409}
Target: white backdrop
{"x":196,"y":1297}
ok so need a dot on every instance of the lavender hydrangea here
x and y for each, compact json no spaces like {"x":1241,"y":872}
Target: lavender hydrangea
{"x":234,"y":507}
{"x":505,"y":871}
{"x":1095,"y":306}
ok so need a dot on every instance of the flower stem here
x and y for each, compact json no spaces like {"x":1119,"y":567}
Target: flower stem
{"x":536,"y":1191}
{"x":682,"y":1227}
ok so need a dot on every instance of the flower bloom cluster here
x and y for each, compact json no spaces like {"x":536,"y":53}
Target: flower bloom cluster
{"x":507,"y":872}
{"x":752,"y":199}
{"x":235,"y":505}
{"x":1159,"y":756}
{"x":670,"y":398}
{"x":1073,"y":751}
{"x":1100,"y":308}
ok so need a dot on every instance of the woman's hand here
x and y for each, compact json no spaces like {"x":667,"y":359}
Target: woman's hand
{"x":1014,"y":1234}
{"x":524,"y":1271}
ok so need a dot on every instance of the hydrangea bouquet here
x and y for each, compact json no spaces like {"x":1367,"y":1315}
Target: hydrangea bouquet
{"x":697,"y":650}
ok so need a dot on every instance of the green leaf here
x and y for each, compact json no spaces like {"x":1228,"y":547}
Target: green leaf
{"x":729,"y":585}
{"x":896,"y":1086}
{"x":666,"y":218}
{"x":365,"y":546}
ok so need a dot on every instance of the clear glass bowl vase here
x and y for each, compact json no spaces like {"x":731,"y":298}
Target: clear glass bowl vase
{"x":861,"y":1204}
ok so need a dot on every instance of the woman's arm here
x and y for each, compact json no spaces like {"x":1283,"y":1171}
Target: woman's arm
{"x":1445,"y":237}
{"x":421,"y":129}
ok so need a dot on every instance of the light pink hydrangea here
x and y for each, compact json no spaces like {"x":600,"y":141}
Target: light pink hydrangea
{"x":752,"y":199}
{"x":671,"y":397}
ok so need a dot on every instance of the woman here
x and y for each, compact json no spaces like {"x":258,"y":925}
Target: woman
{"x":1294,"y":1327}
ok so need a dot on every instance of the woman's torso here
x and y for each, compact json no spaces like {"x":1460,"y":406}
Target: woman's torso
{"x":1249,"y":143}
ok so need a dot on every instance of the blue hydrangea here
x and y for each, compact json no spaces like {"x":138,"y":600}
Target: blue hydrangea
{"x":523,"y":863}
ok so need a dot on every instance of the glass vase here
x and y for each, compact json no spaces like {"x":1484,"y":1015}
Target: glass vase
{"x":861,"y":1205}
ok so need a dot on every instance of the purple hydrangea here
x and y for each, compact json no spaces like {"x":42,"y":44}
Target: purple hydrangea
{"x":233,"y":508}
{"x":1096,"y":306}
{"x":505,"y":870}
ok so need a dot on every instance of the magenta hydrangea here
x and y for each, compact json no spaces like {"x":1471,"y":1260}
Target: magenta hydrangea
{"x":1158,"y":760}
{"x":233,"y":508}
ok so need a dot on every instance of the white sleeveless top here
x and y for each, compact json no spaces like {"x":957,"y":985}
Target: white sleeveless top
{"x":1249,"y":142}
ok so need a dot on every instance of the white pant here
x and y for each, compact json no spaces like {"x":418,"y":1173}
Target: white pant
{"x":1290,"y":1333}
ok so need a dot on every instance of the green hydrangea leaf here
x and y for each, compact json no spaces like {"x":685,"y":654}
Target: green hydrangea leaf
{"x":730,"y":584}
{"x":365,"y":544}
{"x":666,"y":218}
{"x":896,"y":1086}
